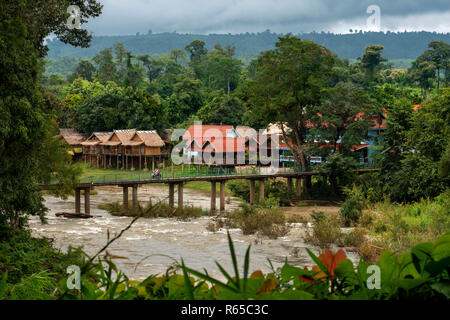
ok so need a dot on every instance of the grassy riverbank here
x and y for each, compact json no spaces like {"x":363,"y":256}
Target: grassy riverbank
{"x":380,"y":226}
{"x":31,"y":268}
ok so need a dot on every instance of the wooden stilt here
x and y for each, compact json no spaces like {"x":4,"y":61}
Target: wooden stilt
{"x":213,"y":196}
{"x":125,"y":200}
{"x":87,"y":201}
{"x":299,"y":188}
{"x":77,"y":201}
{"x":289,"y":184}
{"x":180,"y":195}
{"x":135,"y":198}
{"x":171,"y":195}
{"x":222,"y":196}
{"x":252,"y":191}
{"x":261,"y":190}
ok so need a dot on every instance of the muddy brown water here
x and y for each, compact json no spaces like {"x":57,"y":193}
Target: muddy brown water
{"x":146,"y":247}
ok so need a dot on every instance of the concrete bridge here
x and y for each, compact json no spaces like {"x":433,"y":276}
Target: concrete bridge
{"x":133,"y":181}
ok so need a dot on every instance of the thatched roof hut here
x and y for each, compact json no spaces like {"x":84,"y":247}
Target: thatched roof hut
{"x":97,"y":138}
{"x":71,"y":137}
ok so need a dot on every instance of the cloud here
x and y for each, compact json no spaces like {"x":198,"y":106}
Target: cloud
{"x":236,"y":16}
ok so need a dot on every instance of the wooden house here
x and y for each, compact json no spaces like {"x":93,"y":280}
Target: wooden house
{"x":124,"y":149}
{"x":74,"y":139}
{"x":92,"y":149}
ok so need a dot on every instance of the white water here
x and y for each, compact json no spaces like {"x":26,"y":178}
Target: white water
{"x":148,"y":239}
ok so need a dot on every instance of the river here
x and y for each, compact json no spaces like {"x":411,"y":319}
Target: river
{"x":146,"y":247}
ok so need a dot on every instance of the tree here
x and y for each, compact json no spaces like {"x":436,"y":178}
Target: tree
{"x":197,"y":50}
{"x":342,"y":120}
{"x":119,"y":107}
{"x":423,"y":72}
{"x":177,"y":55}
{"x":417,"y":143}
{"x":85,"y":70}
{"x":223,"y":72}
{"x":222,"y":109}
{"x":121,"y":59}
{"x":228,"y":51}
{"x":134,"y":73}
{"x":155,"y":67}
{"x":372,"y":59}
{"x":197,"y":53}
{"x":289,"y":81}
{"x":186,"y":100}
{"x":440,"y":56}
{"x":44,"y":17}
{"x":29,"y":155}
{"x":106,"y":70}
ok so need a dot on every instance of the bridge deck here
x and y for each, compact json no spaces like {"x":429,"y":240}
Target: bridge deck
{"x":141,"y":178}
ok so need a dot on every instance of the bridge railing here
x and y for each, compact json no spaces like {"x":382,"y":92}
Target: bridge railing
{"x":196,"y":173}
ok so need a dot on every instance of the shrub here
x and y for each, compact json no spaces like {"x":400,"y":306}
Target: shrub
{"x":276,"y":193}
{"x":114,"y":207}
{"x":354,"y":238}
{"x":325,"y":231}
{"x":161,"y":210}
{"x":351,"y":209}
{"x":30,"y":267}
{"x":240,"y":189}
{"x":266,"y":222}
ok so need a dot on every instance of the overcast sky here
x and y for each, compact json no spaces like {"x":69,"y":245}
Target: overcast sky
{"x":122,"y":17}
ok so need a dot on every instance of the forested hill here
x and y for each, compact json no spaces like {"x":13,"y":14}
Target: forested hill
{"x":405,"y":45}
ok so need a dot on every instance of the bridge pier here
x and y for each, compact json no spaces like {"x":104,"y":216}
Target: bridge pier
{"x":171,"y":195}
{"x":252,"y":191}
{"x":289,"y":184}
{"x":125,"y":199}
{"x":222,"y":196}
{"x":77,"y":201}
{"x":213,"y":196}
{"x":87,"y":200}
{"x":299,"y":188}
{"x":180,"y":195}
{"x":135,"y":198}
{"x":261,"y":190}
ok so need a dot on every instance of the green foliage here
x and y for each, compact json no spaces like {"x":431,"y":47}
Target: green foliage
{"x":340,"y":169}
{"x":265,"y":221}
{"x":222,"y":109}
{"x":30,"y":267}
{"x":186,"y":100}
{"x":42,"y":18}
{"x":119,"y":107}
{"x":325,"y":232}
{"x":161,"y":210}
{"x":29,"y":154}
{"x":417,"y":142}
{"x":351,"y":209}
{"x":372,"y":59}
{"x":106,"y":67}
{"x":62,"y":66}
{"x":399,"y":227}
{"x":289,"y":83}
{"x":276,"y":192}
